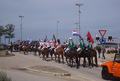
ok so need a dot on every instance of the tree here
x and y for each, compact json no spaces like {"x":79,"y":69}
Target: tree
{"x":1,"y":32}
{"x":9,"y":29}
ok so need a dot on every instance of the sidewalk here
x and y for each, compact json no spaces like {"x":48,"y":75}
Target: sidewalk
{"x":109,"y":57}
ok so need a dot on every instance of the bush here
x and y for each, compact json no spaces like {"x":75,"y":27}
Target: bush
{"x":3,"y":77}
{"x":2,"y":49}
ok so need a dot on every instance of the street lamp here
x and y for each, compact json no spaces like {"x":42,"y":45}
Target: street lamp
{"x":57,"y":28}
{"x":79,"y":14}
{"x":21,"y":26}
{"x":76,"y":30}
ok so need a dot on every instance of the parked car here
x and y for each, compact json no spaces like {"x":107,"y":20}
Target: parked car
{"x":112,"y":68}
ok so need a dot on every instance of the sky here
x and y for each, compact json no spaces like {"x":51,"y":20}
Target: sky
{"x":41,"y":16}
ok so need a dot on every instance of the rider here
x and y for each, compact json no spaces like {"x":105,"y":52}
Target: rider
{"x":81,"y":45}
{"x":58,"y":44}
{"x":70,"y":44}
{"x":51,"y":45}
{"x":89,"y":45}
{"x":44,"y":46}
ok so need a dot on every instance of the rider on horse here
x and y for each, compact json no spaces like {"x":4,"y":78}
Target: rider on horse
{"x":58,"y":44}
{"x":81,"y":45}
{"x":70,"y":44}
{"x":44,"y":46}
{"x":52,"y":45}
{"x":89,"y":45}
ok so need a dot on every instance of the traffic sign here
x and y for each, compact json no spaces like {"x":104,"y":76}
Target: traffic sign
{"x":102,"y":32}
{"x":102,"y":40}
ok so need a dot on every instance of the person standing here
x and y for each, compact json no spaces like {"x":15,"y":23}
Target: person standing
{"x":11,"y":47}
{"x":99,"y":51}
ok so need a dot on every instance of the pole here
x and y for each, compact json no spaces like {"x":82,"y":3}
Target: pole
{"x":21,"y":26}
{"x":118,"y":45}
{"x":76,"y":30}
{"x":79,"y":15}
{"x":57,"y":29}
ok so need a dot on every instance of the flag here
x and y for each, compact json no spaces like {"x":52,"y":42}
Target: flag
{"x":29,"y":40}
{"x":75,"y":33}
{"x":39,"y":40}
{"x":90,"y":37}
{"x":54,"y":39}
{"x":45,"y":39}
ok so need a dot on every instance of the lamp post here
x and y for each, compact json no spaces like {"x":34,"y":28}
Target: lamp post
{"x":57,"y":28}
{"x":21,"y":26}
{"x":76,"y":30}
{"x":79,"y":14}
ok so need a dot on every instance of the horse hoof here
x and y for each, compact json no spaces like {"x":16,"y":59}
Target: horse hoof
{"x":90,"y":67}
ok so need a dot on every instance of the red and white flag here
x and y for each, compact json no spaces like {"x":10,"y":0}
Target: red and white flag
{"x":90,"y":37}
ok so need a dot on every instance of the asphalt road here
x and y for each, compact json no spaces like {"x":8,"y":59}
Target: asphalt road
{"x":8,"y":64}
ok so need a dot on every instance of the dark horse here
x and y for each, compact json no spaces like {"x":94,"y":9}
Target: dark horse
{"x":51,"y":51}
{"x":84,"y":53}
{"x":71,"y":55}
{"x":45,"y":53}
{"x":93,"y":53}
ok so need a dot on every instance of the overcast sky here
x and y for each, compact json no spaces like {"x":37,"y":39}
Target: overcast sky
{"x":41,"y":16}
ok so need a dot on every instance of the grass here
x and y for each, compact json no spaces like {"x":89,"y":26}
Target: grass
{"x":3,"y":76}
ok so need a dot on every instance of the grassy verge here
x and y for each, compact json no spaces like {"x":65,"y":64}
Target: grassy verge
{"x":3,"y":76}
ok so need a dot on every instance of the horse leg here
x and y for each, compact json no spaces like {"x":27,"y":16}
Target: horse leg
{"x":62,"y":58}
{"x":89,"y":60}
{"x":77,"y":62}
{"x":55,"y":57}
{"x":59,"y":58}
{"x":71,"y":62}
{"x":84,"y":62}
{"x":96,"y":60}
{"x":39,"y":53}
{"x":92,"y":61}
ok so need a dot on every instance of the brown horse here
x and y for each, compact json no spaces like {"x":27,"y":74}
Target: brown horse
{"x":93,"y":53}
{"x":45,"y":53}
{"x":26,"y":48}
{"x":59,"y":52}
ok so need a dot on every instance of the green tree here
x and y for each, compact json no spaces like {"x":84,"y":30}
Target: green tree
{"x":9,"y":29}
{"x":1,"y":32}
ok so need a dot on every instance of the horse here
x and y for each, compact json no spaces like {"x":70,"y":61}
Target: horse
{"x":84,"y":53}
{"x":51,"y":51}
{"x":20,"y":48}
{"x":26,"y":48}
{"x":45,"y":53}
{"x":35,"y":49}
{"x":93,"y":53}
{"x":71,"y":55}
{"x":59,"y":52}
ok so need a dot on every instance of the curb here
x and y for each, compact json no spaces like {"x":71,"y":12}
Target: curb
{"x":46,"y":72}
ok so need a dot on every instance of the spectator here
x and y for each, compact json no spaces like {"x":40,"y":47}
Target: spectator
{"x":99,"y":51}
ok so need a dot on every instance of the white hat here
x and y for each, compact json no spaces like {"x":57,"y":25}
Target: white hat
{"x":50,"y":40}
{"x":70,"y":38}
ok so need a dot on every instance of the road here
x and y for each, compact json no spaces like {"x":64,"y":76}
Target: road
{"x":10,"y":65}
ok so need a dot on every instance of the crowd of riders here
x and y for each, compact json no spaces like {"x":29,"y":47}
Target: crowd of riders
{"x":68,"y":45}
